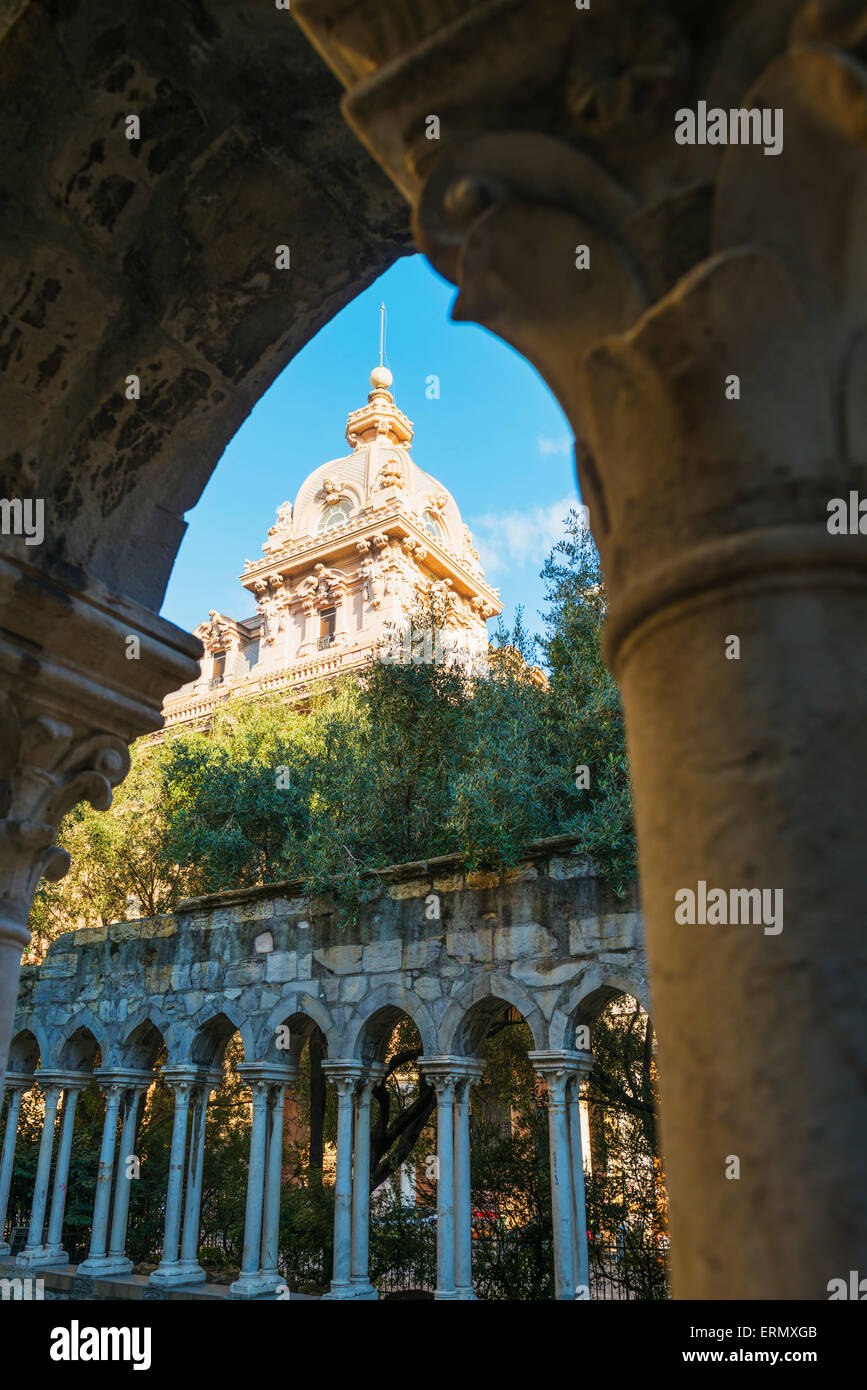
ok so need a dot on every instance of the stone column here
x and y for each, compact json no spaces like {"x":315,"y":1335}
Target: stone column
{"x":557,"y":1069}
{"x":359,"y":1275}
{"x":700,"y":311}
{"x":345,"y":1076}
{"x":190,"y":1270}
{"x":260,"y":1077}
{"x":34,"y":1251}
{"x":53,"y":1250}
{"x":269,"y":1276}
{"x":580,"y":1255}
{"x":15,"y":1086}
{"x":469,"y":1074}
{"x":443,"y":1074}
{"x":182,"y":1079}
{"x":114,"y":1085}
{"x":117,"y":1260}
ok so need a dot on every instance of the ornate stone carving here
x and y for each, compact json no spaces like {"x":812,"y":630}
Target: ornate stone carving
{"x":700,"y":312}
{"x":391,"y":474}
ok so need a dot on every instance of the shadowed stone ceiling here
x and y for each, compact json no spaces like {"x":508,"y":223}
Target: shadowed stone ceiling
{"x":157,"y":257}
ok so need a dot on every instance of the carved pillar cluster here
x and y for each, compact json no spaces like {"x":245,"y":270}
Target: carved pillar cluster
{"x":268,"y":1082}
{"x":192,"y":1086}
{"x":123,"y":1090}
{"x":354,"y":1083}
{"x":74,"y":690}
{"x":451,"y":1078}
{"x":700,"y":310}
{"x":562,"y":1073}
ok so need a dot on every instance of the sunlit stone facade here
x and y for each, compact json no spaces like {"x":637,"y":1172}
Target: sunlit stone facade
{"x":369,"y":539}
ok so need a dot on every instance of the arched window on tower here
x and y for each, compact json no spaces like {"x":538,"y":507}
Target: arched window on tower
{"x":334,"y":515}
{"x":434,"y":526}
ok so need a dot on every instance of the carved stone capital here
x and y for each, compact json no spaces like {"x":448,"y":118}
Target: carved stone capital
{"x":70,"y":703}
{"x":704,"y":261}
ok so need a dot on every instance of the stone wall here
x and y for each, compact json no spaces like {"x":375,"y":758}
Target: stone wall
{"x":443,"y":945}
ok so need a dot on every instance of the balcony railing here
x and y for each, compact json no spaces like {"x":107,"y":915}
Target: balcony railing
{"x":326,"y":641}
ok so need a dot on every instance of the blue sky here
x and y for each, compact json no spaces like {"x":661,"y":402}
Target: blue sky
{"x":496,"y":438}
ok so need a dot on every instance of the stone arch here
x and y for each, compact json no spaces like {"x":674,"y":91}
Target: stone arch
{"x":79,"y":1042}
{"x":128,"y":472}
{"x":474,"y":1008}
{"x":205,"y":1040}
{"x":301,"y":1013}
{"x":584,"y":1001}
{"x":143,"y":1040}
{"x":370,"y":1027}
{"x":27,"y":1049}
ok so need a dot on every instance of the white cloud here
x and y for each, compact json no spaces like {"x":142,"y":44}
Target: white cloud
{"x":547,"y":445}
{"x":509,"y":540}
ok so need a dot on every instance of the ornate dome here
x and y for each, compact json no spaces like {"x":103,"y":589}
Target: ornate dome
{"x":379,"y":469}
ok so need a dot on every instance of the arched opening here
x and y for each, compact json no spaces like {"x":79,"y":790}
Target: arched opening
{"x":627,"y":1204}
{"x":402,"y":1161}
{"x":511,"y":1222}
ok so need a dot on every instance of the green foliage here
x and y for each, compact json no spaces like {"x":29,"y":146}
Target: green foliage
{"x":588,"y":704}
{"x":408,"y":762}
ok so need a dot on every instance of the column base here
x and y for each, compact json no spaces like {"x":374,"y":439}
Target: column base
{"x":5,"y":1248}
{"x":101,"y":1265}
{"x":345,"y":1291}
{"x":38,"y":1255}
{"x":464,"y":1295}
{"x":256,"y":1285}
{"x":446,"y":1295}
{"x":272,"y":1281}
{"x":176,"y":1274}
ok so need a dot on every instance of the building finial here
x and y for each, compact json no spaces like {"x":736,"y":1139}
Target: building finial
{"x":381,"y":378}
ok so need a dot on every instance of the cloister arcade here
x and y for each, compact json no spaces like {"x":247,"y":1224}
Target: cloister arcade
{"x":451,"y":978}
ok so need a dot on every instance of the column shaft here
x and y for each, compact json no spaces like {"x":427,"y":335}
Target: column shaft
{"x":176,"y":1176}
{"x":61,"y":1176}
{"x":360,"y":1254}
{"x":561,"y":1189}
{"x":43,"y":1170}
{"x":445,"y":1190}
{"x":195,"y":1172}
{"x":343,"y":1187}
{"x":463,"y":1203}
{"x":7,"y":1162}
{"x":123,"y":1185}
{"x":99,"y":1233}
{"x":273,"y":1180}
{"x":248,"y":1284}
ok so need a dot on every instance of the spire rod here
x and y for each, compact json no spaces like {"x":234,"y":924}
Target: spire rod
{"x":381,"y":330}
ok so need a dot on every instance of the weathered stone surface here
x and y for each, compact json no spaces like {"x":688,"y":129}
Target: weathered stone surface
{"x":382,"y":955}
{"x":281,"y":966}
{"x":209,"y":964}
{"x":525,"y":941}
{"x":340,"y":960}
